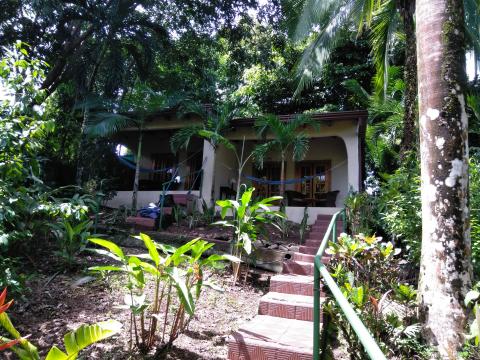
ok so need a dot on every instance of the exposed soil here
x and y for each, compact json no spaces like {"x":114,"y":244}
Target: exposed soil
{"x":60,"y":301}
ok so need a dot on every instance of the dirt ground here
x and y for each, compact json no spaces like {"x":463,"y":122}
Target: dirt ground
{"x":61,"y":301}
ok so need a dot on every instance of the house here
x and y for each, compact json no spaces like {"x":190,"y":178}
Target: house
{"x":333,"y":166}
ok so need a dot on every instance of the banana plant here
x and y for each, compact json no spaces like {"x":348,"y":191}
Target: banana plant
{"x":178,"y":276}
{"x":74,"y":341}
{"x":247,"y":218}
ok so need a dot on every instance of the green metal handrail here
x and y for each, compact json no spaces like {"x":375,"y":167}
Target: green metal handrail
{"x":362,"y":332}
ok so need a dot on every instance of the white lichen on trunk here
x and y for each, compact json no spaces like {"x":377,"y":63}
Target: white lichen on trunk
{"x":445,"y":262}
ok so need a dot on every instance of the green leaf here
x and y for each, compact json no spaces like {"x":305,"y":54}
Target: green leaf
{"x":152,"y":249}
{"x":105,"y":268}
{"x":182,"y":291}
{"x":115,"y":249}
{"x":84,"y":336}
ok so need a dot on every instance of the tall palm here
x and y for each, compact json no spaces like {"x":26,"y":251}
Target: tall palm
{"x":445,"y":265}
{"x":385,"y":19}
{"x":385,"y":129}
{"x":285,"y":136}
{"x":131,"y":111}
{"x":214,"y":126}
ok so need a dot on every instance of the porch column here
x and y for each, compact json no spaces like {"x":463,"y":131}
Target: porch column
{"x":208,"y":168}
{"x":353,"y":160}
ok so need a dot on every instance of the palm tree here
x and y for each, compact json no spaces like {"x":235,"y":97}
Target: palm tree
{"x":385,"y":129}
{"x":131,"y":111}
{"x":286,"y":136}
{"x":445,"y":265}
{"x":215,"y":124}
{"x":384,"y":18}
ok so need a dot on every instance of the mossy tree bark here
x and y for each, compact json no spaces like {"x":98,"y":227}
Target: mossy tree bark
{"x":445,"y":273}
{"x":409,"y":138}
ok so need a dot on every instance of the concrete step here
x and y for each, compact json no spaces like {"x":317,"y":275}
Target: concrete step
{"x":297,"y":267}
{"x":267,"y":337}
{"x":292,"y":284}
{"x":288,"y":306}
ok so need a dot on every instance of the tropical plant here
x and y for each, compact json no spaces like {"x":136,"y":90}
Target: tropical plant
{"x":71,"y":237}
{"x":332,"y":20}
{"x":369,"y":275}
{"x":303,"y":228}
{"x":386,"y":129}
{"x":108,"y":117}
{"x":208,"y":213}
{"x":247,"y":219}
{"x":178,"y":275}
{"x":213,"y":127}
{"x":282,"y":224}
{"x":283,"y":137}
{"x":74,"y":341}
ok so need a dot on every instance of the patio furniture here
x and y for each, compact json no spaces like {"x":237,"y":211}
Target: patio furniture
{"x":326,"y":199}
{"x":296,"y":198}
{"x":228,"y":192}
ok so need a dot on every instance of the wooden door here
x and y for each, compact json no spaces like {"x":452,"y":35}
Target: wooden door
{"x":321,"y":181}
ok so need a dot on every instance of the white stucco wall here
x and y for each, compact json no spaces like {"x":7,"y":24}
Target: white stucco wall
{"x":124,"y":198}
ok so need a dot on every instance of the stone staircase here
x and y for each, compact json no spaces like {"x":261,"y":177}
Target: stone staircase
{"x":283,"y":328}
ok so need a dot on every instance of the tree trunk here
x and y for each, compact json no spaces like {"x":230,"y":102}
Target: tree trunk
{"x":445,"y":269}
{"x":137,"y":171}
{"x":409,"y":137}
{"x":81,"y":149}
{"x":212,"y":192}
{"x":282,"y":177}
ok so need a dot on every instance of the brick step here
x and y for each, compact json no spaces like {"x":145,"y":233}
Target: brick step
{"x":292,"y":284}
{"x":267,"y":337}
{"x":287,"y":306}
{"x":320,"y":228}
{"x":297,"y":267}
{"x":313,"y":243}
{"x":297,"y":256}
{"x":308,"y":250}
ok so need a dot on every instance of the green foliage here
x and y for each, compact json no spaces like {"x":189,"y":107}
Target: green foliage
{"x":475,"y":210}
{"x":302,"y":230}
{"x":400,"y":209}
{"x":75,"y":341}
{"x":178,"y":277}
{"x":247,"y":219}
{"x":369,"y":275}
{"x":208,"y":213}
{"x":21,"y":130}
{"x":282,"y":224}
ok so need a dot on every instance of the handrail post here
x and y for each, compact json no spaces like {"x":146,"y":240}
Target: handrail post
{"x":334,"y":230}
{"x":316,"y":311}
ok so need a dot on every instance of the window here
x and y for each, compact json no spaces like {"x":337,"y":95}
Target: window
{"x":270,"y":171}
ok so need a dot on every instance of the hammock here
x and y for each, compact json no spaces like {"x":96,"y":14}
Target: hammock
{"x":279,"y":182}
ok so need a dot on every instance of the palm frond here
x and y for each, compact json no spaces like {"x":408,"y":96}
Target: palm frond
{"x":301,"y":144}
{"x":260,"y":152}
{"x":358,"y":91}
{"x":181,"y":139}
{"x":325,"y":40}
{"x":102,"y":124}
{"x":385,"y":24}
{"x":216,"y":139}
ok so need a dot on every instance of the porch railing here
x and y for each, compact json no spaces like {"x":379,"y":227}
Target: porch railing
{"x":367,"y":340}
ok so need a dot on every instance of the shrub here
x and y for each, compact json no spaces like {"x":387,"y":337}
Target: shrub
{"x":247,"y":219}
{"x":178,"y":276}
{"x":368,"y":273}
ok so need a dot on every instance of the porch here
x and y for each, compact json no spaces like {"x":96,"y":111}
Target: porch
{"x":331,"y":168}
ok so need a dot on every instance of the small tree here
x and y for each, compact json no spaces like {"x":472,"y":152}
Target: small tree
{"x":285,"y":136}
{"x":215,"y":124}
{"x":131,"y":111}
